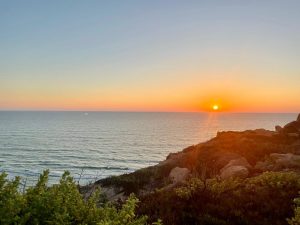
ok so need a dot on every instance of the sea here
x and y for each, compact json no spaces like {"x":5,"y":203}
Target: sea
{"x":95,"y":145}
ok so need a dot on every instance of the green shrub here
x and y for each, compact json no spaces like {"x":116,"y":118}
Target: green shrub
{"x":134,"y":182}
{"x":60,"y":204}
{"x":296,"y":219}
{"x":262,"y":200}
{"x":11,"y":201}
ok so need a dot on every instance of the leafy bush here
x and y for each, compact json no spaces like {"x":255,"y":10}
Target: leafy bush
{"x":60,"y":204}
{"x":134,"y":182}
{"x":264,"y":199}
{"x":296,"y":219}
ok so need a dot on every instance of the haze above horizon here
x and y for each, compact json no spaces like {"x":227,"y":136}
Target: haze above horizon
{"x":241,"y":56}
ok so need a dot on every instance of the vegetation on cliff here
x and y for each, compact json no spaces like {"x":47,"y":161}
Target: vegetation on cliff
{"x":264,"y":199}
{"x":296,"y":219}
{"x":236,"y":178}
{"x":60,"y":204}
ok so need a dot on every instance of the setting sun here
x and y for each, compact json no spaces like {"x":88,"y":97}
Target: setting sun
{"x":215,"y":107}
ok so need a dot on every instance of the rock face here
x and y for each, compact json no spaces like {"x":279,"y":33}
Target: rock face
{"x":236,"y":168}
{"x":286,"y":160}
{"x":278,"y":161}
{"x":238,"y":162}
{"x":228,"y":155}
{"x":292,"y":127}
{"x":112,"y":193}
{"x":278,"y":129}
{"x":178,"y":174}
{"x":264,"y":132}
{"x":294,"y":135}
{"x":264,"y":166}
{"x":235,"y":172}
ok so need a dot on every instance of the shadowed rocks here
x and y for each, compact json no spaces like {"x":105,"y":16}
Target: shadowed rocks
{"x":291,"y":129}
{"x":277,"y":162}
{"x":229,"y":154}
{"x":236,"y":168}
{"x":234,"y":172}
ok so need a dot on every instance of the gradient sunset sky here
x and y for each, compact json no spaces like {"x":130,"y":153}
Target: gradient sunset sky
{"x":154,"y":55}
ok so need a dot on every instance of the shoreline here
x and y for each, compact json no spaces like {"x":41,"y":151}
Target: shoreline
{"x":239,"y":154}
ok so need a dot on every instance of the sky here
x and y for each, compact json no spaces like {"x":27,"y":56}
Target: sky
{"x":157,"y":55}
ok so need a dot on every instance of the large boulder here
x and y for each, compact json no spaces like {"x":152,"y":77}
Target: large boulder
{"x":234,"y":172}
{"x":263,"y":166}
{"x":285,"y":160}
{"x":178,"y":174}
{"x":278,"y":161}
{"x":292,"y":127}
{"x":236,"y":168}
{"x":237,"y":162}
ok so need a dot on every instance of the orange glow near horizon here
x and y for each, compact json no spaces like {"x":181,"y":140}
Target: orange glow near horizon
{"x":154,"y":104}
{"x":178,"y":98}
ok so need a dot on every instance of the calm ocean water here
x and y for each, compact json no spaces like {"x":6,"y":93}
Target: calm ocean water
{"x":101,"y":144}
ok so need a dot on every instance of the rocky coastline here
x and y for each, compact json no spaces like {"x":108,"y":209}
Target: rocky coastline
{"x":230,"y":154}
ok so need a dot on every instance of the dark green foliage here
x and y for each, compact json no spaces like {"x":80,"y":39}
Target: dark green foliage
{"x":133,"y":182}
{"x":263,"y":200}
{"x":296,"y":219}
{"x":11,"y":202}
{"x":59,"y":204}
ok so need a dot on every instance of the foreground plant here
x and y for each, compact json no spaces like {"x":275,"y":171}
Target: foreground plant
{"x":296,"y":219}
{"x":60,"y":204}
{"x":262,"y":200}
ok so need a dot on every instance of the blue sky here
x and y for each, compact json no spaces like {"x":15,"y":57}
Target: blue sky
{"x":143,"y":55}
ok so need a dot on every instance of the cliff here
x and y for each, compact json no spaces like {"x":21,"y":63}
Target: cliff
{"x":229,"y":155}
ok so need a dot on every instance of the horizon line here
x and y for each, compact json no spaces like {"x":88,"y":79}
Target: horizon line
{"x":144,"y":111}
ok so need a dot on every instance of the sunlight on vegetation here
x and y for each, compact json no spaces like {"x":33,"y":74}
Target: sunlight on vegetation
{"x":60,"y":204}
